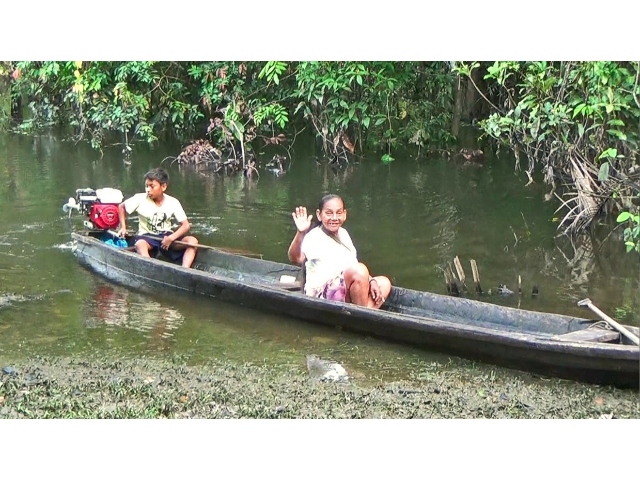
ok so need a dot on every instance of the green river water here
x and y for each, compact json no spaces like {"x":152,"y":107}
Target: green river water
{"x":407,"y":219}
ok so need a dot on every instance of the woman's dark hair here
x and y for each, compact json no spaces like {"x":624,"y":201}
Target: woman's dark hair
{"x":323,"y":202}
{"x":158,"y":174}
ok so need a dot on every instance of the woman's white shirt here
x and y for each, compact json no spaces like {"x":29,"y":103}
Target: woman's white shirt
{"x":326,"y":257}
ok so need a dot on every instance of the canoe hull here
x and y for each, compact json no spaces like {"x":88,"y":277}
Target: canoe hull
{"x":613,"y":364}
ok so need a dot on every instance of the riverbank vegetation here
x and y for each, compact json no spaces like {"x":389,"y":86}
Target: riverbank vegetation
{"x":145,"y":388}
{"x":578,"y":123}
{"x":573,"y":125}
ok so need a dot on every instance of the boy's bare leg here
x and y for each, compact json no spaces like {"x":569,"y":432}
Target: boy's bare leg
{"x":190,"y":252}
{"x":142,"y":247}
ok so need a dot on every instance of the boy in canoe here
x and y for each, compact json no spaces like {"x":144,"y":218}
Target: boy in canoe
{"x":155,"y":211}
{"x":327,"y":252}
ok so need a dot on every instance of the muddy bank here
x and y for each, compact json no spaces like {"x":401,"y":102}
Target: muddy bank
{"x":143,"y":388}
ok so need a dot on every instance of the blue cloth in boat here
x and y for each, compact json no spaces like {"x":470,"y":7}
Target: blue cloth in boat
{"x":118,"y":242}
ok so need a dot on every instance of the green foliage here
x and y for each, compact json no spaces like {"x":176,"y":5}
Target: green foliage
{"x":99,"y":99}
{"x":127,"y":101}
{"x":568,"y":118}
{"x":379,"y":104}
{"x":271,"y":113}
{"x":585,"y":104}
{"x":272,"y":71}
{"x":632,"y":232}
{"x":620,"y":313}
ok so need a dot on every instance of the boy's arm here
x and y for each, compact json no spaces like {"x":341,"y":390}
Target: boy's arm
{"x":122,"y":216}
{"x":182,"y":230}
{"x":184,"y":223}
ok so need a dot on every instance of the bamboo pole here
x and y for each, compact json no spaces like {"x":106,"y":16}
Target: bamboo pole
{"x":476,"y":276}
{"x":453,"y":285}
{"x":461,"y":275}
{"x":447,"y":282}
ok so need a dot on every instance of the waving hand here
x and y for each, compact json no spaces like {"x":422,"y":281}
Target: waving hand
{"x":301,"y":219}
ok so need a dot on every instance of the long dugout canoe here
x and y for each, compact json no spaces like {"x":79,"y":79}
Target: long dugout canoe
{"x":548,"y":344}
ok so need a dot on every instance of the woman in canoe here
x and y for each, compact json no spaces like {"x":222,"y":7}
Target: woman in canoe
{"x":327,"y":252}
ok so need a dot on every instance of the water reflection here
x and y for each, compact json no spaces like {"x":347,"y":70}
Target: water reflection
{"x":114,"y":306}
{"x":580,"y":260}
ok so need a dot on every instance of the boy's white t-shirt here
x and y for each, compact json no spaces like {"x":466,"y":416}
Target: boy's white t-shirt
{"x":151,"y":217}
{"x":326,"y":258}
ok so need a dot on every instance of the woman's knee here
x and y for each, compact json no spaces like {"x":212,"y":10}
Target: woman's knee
{"x":358,"y":272}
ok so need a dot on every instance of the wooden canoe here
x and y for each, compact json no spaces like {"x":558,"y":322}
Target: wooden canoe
{"x":548,"y":344}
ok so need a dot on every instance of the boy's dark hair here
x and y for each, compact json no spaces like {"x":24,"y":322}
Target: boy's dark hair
{"x":158,"y":174}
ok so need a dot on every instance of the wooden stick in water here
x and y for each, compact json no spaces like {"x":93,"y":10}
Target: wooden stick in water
{"x":447,"y":281}
{"x":476,"y":276}
{"x":454,"y":284}
{"x":450,"y":282}
{"x":461,"y":275}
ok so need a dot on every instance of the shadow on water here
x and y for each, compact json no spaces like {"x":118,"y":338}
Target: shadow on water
{"x":408,"y":219}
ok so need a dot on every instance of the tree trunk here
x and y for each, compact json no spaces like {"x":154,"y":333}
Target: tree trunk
{"x":476,"y":107}
{"x":5,"y":98}
{"x":16,"y":108}
{"x":470,"y":99}
{"x":457,"y":112}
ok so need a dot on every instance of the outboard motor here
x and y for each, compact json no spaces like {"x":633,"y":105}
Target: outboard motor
{"x":100,"y":206}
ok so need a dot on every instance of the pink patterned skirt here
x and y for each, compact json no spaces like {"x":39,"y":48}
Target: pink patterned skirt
{"x":334,"y":289}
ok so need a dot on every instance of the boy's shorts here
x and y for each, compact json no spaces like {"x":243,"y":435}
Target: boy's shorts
{"x":154,"y":241}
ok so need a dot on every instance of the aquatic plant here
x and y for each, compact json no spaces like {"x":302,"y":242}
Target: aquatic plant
{"x":632,"y":232}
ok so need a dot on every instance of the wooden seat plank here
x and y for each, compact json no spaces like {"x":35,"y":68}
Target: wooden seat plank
{"x":291,"y":286}
{"x":590,"y":335}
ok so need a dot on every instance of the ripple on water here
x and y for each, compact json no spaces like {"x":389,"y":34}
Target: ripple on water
{"x":64,"y":246}
{"x":203,"y":227}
